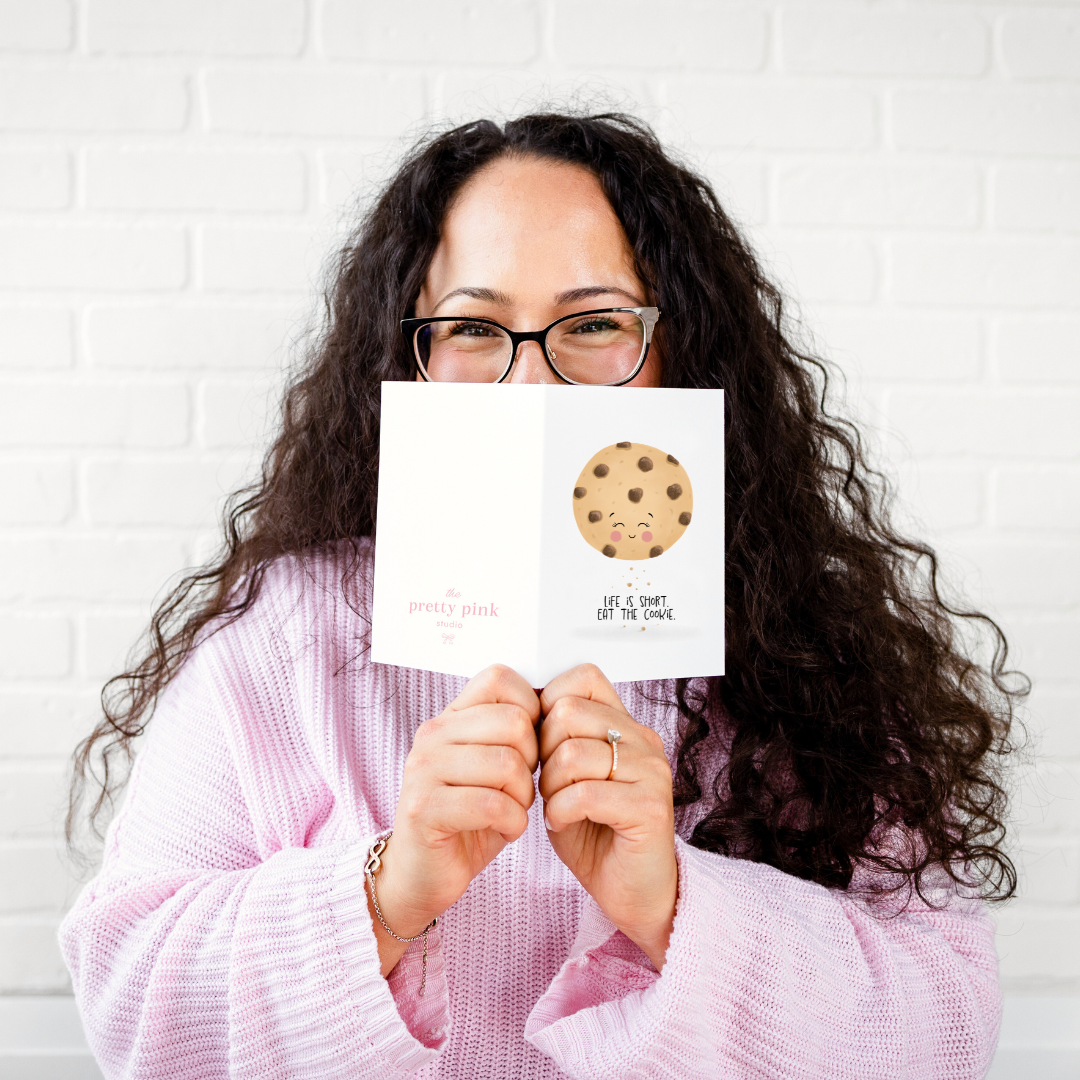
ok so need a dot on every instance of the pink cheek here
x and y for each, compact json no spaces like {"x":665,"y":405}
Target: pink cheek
{"x":646,"y":536}
{"x":616,"y":536}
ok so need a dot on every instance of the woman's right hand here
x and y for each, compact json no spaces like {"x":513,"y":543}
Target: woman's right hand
{"x":465,"y":794}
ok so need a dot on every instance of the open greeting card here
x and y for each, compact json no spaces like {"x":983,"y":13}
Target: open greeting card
{"x":547,"y":526}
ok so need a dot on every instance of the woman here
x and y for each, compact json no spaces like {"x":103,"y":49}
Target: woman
{"x":781,"y":877}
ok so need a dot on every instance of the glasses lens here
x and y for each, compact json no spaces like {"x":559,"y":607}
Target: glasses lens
{"x":462,"y":351}
{"x":601,"y":348}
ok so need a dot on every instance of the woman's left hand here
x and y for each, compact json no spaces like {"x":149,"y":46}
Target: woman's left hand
{"x":616,"y":835}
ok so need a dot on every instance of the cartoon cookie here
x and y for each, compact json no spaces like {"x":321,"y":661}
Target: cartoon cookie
{"x":632,"y":501}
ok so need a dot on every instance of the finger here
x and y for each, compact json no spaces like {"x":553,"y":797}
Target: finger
{"x":579,"y":718}
{"x":501,"y":768}
{"x":498,"y":684}
{"x":492,"y":725}
{"x":584,"y":681}
{"x":575,"y":760}
{"x":474,"y":809}
{"x":626,"y":808}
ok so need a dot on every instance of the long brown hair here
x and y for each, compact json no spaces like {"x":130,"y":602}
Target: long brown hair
{"x":850,"y":708}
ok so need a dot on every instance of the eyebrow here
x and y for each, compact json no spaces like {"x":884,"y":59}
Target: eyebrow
{"x":572,"y":296}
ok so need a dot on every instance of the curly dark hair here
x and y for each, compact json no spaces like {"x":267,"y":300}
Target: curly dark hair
{"x":851,"y":708}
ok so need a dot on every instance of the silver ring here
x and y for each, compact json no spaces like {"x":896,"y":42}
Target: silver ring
{"x":613,"y":738}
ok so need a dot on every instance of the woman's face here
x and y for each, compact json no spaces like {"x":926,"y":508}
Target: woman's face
{"x":526,"y":242}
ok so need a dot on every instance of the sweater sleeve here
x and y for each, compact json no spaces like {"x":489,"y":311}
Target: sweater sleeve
{"x":214,"y":943}
{"x":769,"y":976}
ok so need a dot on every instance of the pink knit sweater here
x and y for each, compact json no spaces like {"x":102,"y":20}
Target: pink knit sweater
{"x":228,"y":934}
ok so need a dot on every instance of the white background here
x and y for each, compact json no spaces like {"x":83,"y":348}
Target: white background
{"x":173,"y":172}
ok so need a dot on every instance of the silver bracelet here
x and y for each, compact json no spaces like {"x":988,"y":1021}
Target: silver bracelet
{"x":371,"y":868}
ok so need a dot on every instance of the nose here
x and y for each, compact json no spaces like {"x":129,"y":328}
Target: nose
{"x":530,"y":365}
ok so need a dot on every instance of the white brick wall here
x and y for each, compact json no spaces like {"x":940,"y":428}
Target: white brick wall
{"x":172,"y":174}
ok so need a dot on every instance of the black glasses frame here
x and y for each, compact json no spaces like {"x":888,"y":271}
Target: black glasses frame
{"x":648,"y":315}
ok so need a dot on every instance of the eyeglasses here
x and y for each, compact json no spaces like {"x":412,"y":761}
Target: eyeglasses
{"x":603,"y":347}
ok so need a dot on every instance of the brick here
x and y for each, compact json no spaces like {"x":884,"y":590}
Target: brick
{"x":93,"y":414}
{"x":1047,"y":802}
{"x":313,"y":101}
{"x":130,"y":257}
{"x":742,"y":188}
{"x":34,"y":179}
{"x":861,"y":39}
{"x":34,"y":646}
{"x":945,"y":196}
{"x":906,"y":348}
{"x":95,"y":99}
{"x":1044,"y":646}
{"x":40,"y":26}
{"x":251,"y":181}
{"x":35,"y":337}
{"x":191,"y":336}
{"x":44,"y":723}
{"x":149,"y":492}
{"x":947,"y":422}
{"x":760,"y":115}
{"x":37,"y":491}
{"x":349,"y":176}
{"x":33,"y":801}
{"x":251,"y":259}
{"x":1037,"y":499}
{"x":1049,"y":871}
{"x":825,"y":268}
{"x":88,"y":567}
{"x":493,"y":32}
{"x":1022,"y":574}
{"x":613,"y":34}
{"x":240,"y":27}
{"x":1034,"y":350}
{"x":234,"y":413}
{"x":939,"y":498}
{"x":997,"y":273}
{"x":1041,"y":44}
{"x":34,"y":879}
{"x":1007,"y":121}
{"x":1045,"y":197}
{"x":1054,"y":721}
{"x":109,"y":640}
{"x":30,"y":960}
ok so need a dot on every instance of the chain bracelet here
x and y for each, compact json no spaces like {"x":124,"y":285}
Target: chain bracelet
{"x":371,"y":868}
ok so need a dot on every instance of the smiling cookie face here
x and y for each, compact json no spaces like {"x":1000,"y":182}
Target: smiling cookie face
{"x":632,"y":501}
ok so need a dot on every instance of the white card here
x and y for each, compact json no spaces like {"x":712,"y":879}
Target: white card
{"x":497,"y":523}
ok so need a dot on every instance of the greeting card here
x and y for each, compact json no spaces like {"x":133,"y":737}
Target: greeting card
{"x":546,"y":526}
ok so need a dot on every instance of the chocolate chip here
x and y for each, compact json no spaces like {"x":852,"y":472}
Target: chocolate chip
{"x":595,"y":516}
{"x":654,"y":551}
{"x":635,"y":494}
{"x":609,"y":551}
{"x":623,"y":445}
{"x":579,"y":493}
{"x":601,"y":470}
{"x":674,"y":491}
{"x":673,"y":460}
{"x":644,"y":464}
{"x":684,"y":517}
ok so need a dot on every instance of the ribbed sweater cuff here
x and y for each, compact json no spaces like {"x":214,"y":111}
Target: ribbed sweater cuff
{"x":406,"y":1030}
{"x":608,"y":1007}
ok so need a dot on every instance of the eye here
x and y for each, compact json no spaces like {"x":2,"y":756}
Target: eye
{"x":465,"y":328}
{"x":618,"y":525}
{"x":595,"y":324}
{"x":645,"y":523}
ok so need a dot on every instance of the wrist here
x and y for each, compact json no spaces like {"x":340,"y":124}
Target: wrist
{"x":397,"y":901}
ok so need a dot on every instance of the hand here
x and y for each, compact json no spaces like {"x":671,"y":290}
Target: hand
{"x":465,"y":795}
{"x":617,"y":836}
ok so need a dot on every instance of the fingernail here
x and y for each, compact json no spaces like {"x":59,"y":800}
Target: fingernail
{"x":547,"y":824}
